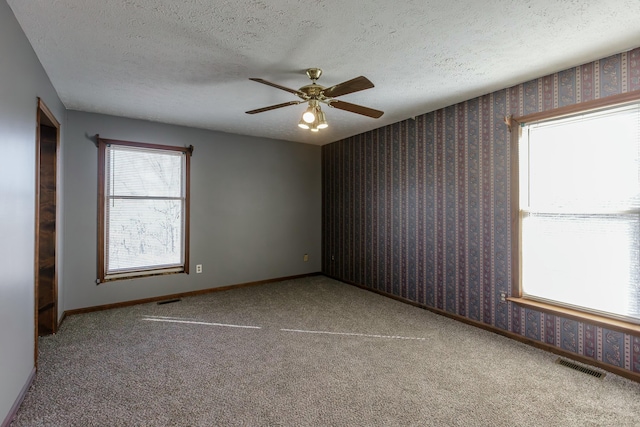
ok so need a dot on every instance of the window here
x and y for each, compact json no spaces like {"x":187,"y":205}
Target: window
{"x":143,"y":209}
{"x":579,"y":205}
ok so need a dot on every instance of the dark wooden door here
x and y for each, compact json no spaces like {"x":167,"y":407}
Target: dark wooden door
{"x":46,"y":287}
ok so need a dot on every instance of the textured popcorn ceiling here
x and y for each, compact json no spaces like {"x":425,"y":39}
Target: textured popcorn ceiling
{"x":188,"y":62}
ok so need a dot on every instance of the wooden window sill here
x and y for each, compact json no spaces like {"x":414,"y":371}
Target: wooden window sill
{"x":605,"y":322}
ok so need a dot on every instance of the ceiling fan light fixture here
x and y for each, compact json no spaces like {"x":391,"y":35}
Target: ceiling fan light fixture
{"x":322,"y":120}
{"x":303,"y":124}
{"x":313,"y":127}
{"x":309,"y":115}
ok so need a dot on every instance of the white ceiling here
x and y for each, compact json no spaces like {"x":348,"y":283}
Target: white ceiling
{"x":188,"y":62}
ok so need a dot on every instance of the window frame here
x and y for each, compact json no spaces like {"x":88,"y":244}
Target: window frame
{"x":515,"y":128}
{"x":102,"y":224}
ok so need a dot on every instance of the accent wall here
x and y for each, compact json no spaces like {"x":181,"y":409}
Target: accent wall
{"x":421,"y":209}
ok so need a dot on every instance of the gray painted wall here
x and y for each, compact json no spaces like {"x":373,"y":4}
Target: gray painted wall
{"x":255,"y":209}
{"x":22,"y":80}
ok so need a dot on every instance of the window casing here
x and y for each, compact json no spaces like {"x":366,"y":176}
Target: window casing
{"x":143,"y":209}
{"x":577,"y":201}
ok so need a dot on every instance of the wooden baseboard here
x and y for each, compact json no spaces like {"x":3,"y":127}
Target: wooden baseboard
{"x":543,"y":346}
{"x":64,"y":316}
{"x":16,"y":405}
{"x":180,"y":295}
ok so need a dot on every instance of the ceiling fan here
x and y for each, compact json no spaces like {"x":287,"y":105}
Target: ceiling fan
{"x":314,"y":118}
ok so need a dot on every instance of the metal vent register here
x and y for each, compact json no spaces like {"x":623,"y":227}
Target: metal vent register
{"x":580,"y":368}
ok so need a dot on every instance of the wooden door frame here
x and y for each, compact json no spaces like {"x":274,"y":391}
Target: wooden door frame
{"x":44,"y":116}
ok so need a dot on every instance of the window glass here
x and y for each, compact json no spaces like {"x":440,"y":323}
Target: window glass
{"x":580,"y":210}
{"x":144,"y":209}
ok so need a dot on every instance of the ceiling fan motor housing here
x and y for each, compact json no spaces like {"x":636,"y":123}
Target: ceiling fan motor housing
{"x":312,"y":91}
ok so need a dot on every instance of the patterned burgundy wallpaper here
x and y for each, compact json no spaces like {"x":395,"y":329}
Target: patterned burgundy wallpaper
{"x":421,"y":209}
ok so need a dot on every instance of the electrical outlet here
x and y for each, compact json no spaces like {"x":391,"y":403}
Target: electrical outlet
{"x":503,"y":296}
{"x":305,"y":258}
{"x":199,"y":268}
{"x":333,"y":258}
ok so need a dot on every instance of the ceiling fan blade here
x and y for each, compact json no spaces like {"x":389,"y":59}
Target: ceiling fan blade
{"x":358,"y":109}
{"x":350,"y":86}
{"x":277,"y":86}
{"x":273,"y":107}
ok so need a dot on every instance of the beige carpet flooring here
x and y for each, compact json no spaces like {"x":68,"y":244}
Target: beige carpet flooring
{"x":306,"y":352}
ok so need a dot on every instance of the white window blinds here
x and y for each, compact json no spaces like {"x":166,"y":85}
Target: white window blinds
{"x":144,"y":209}
{"x":580,"y":210}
